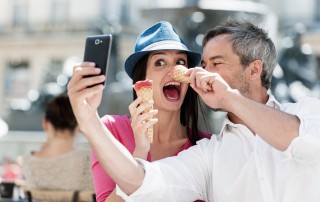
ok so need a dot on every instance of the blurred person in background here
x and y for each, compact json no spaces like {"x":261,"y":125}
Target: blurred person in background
{"x":10,"y":170}
{"x":265,"y":152}
{"x":158,"y":49}
{"x":58,"y":164}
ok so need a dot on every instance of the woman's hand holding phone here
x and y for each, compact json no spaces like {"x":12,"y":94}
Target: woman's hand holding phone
{"x":84,"y":90}
{"x":85,"y":101}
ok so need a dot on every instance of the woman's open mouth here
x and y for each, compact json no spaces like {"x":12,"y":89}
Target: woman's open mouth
{"x":171,"y":90}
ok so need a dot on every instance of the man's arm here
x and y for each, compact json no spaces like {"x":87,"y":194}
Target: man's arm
{"x":185,"y":177}
{"x":276,"y":127}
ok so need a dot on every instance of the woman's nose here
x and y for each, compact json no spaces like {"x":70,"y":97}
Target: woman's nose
{"x":170,"y":70}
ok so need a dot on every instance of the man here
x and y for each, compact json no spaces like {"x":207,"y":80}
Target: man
{"x":265,"y":151}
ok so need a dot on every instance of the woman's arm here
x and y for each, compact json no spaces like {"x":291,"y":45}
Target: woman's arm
{"x":113,"y":197}
{"x":120,"y":127}
{"x":113,"y":156}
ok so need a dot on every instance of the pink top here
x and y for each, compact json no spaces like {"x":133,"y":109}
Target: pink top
{"x":120,"y":127}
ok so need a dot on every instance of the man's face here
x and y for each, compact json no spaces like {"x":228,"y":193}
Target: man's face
{"x":219,"y":57}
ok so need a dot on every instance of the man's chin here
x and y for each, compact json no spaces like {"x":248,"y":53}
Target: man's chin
{"x":218,"y":110}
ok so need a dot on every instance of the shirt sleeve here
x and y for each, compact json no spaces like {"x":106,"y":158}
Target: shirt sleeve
{"x":305,"y":149}
{"x":103,"y":184}
{"x":185,"y":177}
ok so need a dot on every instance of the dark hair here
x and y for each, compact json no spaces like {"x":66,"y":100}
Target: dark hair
{"x":189,"y":109}
{"x":250,"y":43}
{"x":59,"y":113}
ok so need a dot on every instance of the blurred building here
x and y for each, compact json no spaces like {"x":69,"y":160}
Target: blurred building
{"x":40,"y":40}
{"x":307,"y":12}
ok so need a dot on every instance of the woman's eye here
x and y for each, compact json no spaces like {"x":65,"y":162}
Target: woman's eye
{"x":160,"y":63}
{"x":181,"y":62}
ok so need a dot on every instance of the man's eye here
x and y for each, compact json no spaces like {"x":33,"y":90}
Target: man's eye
{"x":216,"y":63}
{"x":181,"y":62}
{"x":160,"y":63}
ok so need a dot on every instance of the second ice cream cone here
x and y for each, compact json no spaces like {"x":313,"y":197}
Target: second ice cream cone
{"x":144,"y":90}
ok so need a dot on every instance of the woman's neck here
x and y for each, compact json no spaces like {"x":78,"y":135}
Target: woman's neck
{"x":169,"y":127}
{"x":57,"y":144}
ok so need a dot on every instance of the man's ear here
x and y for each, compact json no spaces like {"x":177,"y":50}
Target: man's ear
{"x":255,"y":69}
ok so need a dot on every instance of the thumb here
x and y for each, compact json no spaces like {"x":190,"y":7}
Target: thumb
{"x":188,"y":72}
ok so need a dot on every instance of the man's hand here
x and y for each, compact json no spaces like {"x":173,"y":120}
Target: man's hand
{"x":211,"y":87}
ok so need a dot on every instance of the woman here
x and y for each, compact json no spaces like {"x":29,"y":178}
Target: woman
{"x":58,"y":164}
{"x":175,"y":115}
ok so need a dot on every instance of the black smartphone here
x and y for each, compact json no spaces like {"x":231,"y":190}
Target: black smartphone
{"x":97,"y":50}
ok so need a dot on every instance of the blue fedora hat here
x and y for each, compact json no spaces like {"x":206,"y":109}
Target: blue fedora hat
{"x":160,"y":36}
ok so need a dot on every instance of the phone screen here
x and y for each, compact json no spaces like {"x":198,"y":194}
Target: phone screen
{"x":97,"y":50}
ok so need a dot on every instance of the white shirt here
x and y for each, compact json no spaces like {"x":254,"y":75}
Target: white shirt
{"x":237,"y":166}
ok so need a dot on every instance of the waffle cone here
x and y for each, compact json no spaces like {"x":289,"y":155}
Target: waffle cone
{"x":178,"y":74}
{"x":146,"y":94}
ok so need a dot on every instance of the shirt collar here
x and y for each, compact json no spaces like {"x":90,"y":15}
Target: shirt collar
{"x":272,"y":102}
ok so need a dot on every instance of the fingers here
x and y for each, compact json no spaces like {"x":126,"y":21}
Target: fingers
{"x":206,"y":81}
{"x":141,"y":116}
{"x":188,"y":72}
{"x":78,"y":90}
{"x":202,"y":80}
{"x":142,"y":122}
{"x":80,"y":79}
{"x":85,"y":93}
{"x":134,"y":105}
{"x":148,"y":124}
{"x":83,"y":69}
{"x":194,"y":74}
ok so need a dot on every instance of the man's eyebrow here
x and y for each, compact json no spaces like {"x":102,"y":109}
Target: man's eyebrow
{"x":213,"y":58}
{"x":216,"y":57}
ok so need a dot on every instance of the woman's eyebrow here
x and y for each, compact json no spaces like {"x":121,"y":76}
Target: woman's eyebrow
{"x":163,"y":53}
{"x":158,"y":53}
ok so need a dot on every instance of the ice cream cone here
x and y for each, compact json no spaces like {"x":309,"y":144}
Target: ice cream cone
{"x":144,"y":90}
{"x":178,"y":74}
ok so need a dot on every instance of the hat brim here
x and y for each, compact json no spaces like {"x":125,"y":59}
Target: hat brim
{"x":131,"y":62}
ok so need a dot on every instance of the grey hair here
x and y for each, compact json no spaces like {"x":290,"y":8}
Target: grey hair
{"x":250,"y":43}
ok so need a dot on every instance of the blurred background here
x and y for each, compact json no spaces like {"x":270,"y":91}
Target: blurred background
{"x":41,"y":40}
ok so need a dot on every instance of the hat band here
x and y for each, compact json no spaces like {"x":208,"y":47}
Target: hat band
{"x":165,"y":45}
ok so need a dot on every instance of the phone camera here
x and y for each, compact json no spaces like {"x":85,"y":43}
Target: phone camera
{"x":97,"y":41}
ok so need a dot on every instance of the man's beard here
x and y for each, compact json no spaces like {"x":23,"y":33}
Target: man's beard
{"x":241,"y":84}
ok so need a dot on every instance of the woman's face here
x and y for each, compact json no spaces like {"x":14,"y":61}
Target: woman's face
{"x":167,"y":93}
